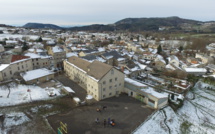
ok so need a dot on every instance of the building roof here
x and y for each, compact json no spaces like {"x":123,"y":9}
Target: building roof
{"x":98,"y":69}
{"x":112,"y":54}
{"x":34,"y":74}
{"x":136,"y":83}
{"x":195,"y":70}
{"x":3,"y":66}
{"x":18,"y":57}
{"x":80,"y":63}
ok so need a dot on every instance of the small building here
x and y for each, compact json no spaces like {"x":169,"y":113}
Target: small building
{"x":145,"y":94}
{"x":37,"y":76}
{"x":196,"y":71}
{"x":68,"y":90}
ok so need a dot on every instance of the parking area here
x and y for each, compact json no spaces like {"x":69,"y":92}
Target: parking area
{"x":127,"y":112}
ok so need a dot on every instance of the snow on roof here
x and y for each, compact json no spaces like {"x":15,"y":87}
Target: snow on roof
{"x":76,"y":99}
{"x":101,"y":49}
{"x":57,"y":49}
{"x":89,"y":97}
{"x":120,"y":59}
{"x":32,"y":55}
{"x":136,"y":83}
{"x":34,"y":74}
{"x":37,"y":50}
{"x":142,"y":66}
{"x":154,"y":93}
{"x":68,"y":89}
{"x":195,"y":70}
{"x":71,"y":54}
{"x":11,"y":41}
{"x":170,"y":67}
{"x":3,"y":66}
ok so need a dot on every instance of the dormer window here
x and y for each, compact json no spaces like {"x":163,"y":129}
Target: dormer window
{"x":112,"y":71}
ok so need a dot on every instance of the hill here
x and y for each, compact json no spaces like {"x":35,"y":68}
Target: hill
{"x":169,"y":24}
{"x":40,"y":25}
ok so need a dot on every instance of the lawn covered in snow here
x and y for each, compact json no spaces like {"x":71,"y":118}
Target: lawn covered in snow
{"x":23,"y":94}
{"x":196,"y":116}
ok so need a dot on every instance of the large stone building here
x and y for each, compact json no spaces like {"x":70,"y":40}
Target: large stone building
{"x":99,"y":79}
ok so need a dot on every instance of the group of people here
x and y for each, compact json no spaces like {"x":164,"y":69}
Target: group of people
{"x":99,"y":110}
{"x":108,"y":122}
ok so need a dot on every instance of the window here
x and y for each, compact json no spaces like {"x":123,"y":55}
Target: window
{"x":112,"y":72}
{"x":18,"y":68}
{"x":4,"y":74}
{"x":110,"y":80}
{"x":115,"y":85}
{"x":103,"y":89}
{"x":119,"y":84}
{"x":104,"y":96}
{"x":110,"y":87}
{"x":151,"y":101}
{"x":104,"y":82}
{"x":116,"y":79}
{"x":22,"y":67}
{"x":110,"y":94}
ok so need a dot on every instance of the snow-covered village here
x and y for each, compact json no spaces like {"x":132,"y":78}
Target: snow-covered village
{"x":80,"y":82}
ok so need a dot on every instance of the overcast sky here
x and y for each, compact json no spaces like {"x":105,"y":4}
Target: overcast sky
{"x":84,"y":12}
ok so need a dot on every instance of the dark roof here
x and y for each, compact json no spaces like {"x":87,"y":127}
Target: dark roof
{"x":89,"y":57}
{"x":115,"y":54}
{"x":18,"y":57}
{"x":89,"y":50}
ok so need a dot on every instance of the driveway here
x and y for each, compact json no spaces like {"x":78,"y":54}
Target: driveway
{"x":127,"y":112}
{"x":79,"y":91}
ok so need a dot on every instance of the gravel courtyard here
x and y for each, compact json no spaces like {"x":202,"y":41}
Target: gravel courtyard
{"x":127,"y":112}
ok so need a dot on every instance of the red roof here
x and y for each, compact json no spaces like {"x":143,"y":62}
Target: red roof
{"x":18,"y":57}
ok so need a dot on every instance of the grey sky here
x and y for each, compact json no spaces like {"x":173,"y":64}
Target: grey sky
{"x":83,"y":12}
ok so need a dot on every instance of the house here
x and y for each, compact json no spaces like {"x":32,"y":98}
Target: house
{"x":113,"y":58}
{"x":1,"y":48}
{"x":211,"y":68}
{"x":18,"y":63}
{"x":99,"y":79}
{"x":58,"y":55}
{"x":205,"y":58}
{"x":173,"y":60}
{"x":159,"y":63}
{"x":145,"y":94}
{"x":37,"y":76}
{"x":196,"y":71}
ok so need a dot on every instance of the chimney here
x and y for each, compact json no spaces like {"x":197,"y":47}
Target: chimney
{"x":122,"y":68}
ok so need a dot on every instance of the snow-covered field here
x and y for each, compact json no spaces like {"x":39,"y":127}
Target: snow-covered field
{"x":20,"y":94}
{"x":197,"y":116}
{"x":12,"y":119}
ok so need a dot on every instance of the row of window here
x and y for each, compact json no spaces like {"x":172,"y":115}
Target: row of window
{"x":110,"y":87}
{"x":110,"y":80}
{"x":105,"y":95}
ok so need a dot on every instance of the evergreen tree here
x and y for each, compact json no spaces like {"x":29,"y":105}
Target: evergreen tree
{"x":40,"y":39}
{"x":25,"y":46}
{"x":181,"y":49}
{"x":159,"y":49}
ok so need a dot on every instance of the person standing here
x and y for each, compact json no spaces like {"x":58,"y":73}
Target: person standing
{"x":104,"y":122}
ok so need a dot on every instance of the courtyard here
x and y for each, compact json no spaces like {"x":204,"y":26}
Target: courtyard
{"x":127,"y":112}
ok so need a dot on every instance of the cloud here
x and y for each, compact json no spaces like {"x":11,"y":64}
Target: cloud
{"x":96,"y":11}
